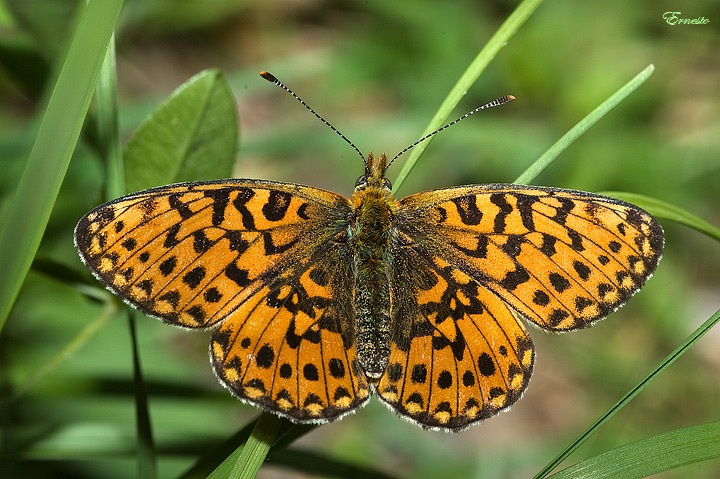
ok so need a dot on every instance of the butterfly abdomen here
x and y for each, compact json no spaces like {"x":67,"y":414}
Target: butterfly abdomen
{"x":370,"y":237}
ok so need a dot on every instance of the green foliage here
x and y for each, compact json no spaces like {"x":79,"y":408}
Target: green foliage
{"x":377,"y":70}
{"x":191,"y":136}
{"x":51,"y":152}
{"x":652,"y":455}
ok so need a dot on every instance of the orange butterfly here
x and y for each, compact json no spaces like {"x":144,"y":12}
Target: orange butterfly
{"x":316,"y":300}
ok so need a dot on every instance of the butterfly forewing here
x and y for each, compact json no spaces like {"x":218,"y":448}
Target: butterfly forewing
{"x":191,"y":253}
{"x":561,"y":258}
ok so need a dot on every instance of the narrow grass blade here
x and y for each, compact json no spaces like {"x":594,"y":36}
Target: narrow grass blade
{"x":287,"y":434}
{"x":146,"y":453}
{"x":107,"y":125}
{"x":212,"y":460}
{"x":663,"y":209}
{"x":491,"y":49}
{"x":245,"y":462}
{"x":57,"y":135}
{"x":109,"y":138}
{"x":109,"y":311}
{"x":650,"y":456}
{"x":581,"y":127}
{"x":679,"y":351}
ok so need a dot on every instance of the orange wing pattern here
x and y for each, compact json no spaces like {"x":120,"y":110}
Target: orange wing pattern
{"x":561,"y":258}
{"x":458,"y":353}
{"x":249,"y":257}
{"x":274,"y":269}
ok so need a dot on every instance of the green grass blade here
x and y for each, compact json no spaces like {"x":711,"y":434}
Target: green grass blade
{"x":146,"y":454}
{"x":245,"y":462}
{"x":56,"y":138}
{"x":110,"y":145}
{"x":491,"y":49}
{"x":212,"y":460}
{"x":651,"y":455}
{"x":313,"y":464}
{"x":288,"y":433}
{"x":663,"y":209}
{"x":679,"y":351}
{"x":107,"y":125}
{"x":581,"y":127}
{"x":82,"y":338}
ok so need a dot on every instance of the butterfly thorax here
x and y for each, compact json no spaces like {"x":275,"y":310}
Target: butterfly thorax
{"x":370,"y":237}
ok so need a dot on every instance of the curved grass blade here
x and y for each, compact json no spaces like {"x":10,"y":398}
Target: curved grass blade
{"x":679,"y":351}
{"x":491,"y":49}
{"x":663,"y":209}
{"x":288,"y":433}
{"x":582,"y":126}
{"x":651,"y":455}
{"x":245,"y":461}
{"x":110,"y":310}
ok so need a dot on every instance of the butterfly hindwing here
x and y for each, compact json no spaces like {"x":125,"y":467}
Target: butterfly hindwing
{"x":300,"y":360}
{"x":458,"y":354}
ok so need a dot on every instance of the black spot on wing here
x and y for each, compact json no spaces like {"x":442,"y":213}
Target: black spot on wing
{"x":182,"y":208}
{"x":468,"y":210}
{"x":171,"y":238}
{"x":221,"y":198}
{"x":499,"y":200}
{"x":277,"y":205}
{"x":241,"y":199}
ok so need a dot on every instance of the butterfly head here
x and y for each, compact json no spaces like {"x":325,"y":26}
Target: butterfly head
{"x":374,"y":176}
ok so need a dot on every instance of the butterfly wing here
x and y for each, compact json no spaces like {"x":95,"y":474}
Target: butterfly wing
{"x":250,"y":258}
{"x":458,"y":354}
{"x":561,"y":258}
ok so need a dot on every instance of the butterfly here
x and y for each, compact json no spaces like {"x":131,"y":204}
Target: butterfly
{"x":317,"y":301}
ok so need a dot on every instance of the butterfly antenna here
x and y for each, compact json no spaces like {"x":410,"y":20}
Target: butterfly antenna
{"x":272,"y":79}
{"x":498,"y":102}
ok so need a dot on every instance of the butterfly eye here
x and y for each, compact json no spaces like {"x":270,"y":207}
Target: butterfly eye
{"x":386,"y":184}
{"x":362,"y":181}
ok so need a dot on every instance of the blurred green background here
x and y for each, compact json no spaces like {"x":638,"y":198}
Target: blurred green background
{"x":377,"y":70}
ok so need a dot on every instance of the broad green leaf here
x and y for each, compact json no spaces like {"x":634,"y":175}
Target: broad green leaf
{"x":191,"y":136}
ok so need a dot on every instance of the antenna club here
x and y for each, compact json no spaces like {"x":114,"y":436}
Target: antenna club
{"x":269,"y":77}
